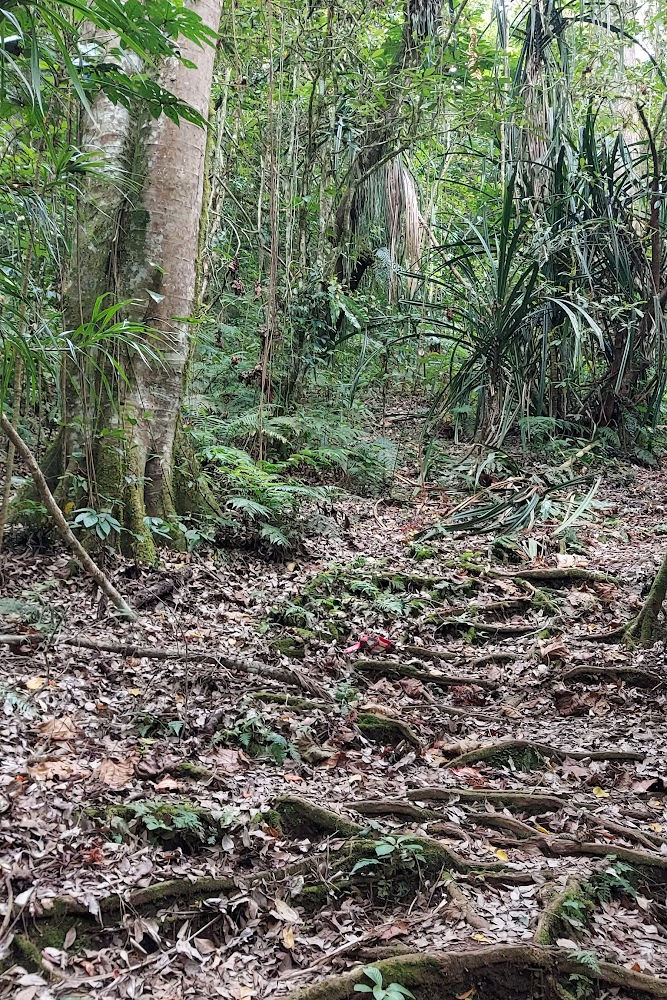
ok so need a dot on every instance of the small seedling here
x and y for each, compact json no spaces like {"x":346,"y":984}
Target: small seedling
{"x":403,"y":847}
{"x":392,"y":991}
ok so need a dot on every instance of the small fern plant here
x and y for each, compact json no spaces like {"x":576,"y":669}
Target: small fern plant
{"x":264,"y":503}
{"x":392,"y":991}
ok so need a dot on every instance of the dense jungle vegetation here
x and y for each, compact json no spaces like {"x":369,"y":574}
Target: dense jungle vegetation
{"x":333,"y":330}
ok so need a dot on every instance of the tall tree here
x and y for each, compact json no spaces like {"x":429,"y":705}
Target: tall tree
{"x":139,"y":239}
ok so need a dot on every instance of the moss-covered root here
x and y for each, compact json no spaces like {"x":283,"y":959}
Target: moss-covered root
{"x":633,"y":676}
{"x":391,"y":668}
{"x":519,"y":971}
{"x":528,"y":754}
{"x":290,"y":701}
{"x":646,"y":629}
{"x":302,"y":818}
{"x":381,"y":729}
{"x":652,"y":867}
{"x":552,"y":922}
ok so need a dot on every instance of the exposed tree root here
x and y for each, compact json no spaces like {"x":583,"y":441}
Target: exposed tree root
{"x":291,"y":676}
{"x":485,"y":628}
{"x":616,"y":635}
{"x":500,"y":822}
{"x":497,"y":972}
{"x":464,"y":906}
{"x":635,"y":676}
{"x":532,"y":803}
{"x":63,"y":528}
{"x":551,"y":924}
{"x":421,"y":653}
{"x":529,"y":754}
{"x":382,"y":729}
{"x":646,"y":627}
{"x":647,"y":840}
{"x":399,"y":807}
{"x":498,"y":657}
{"x":561,"y":574}
{"x":390,"y":668}
{"x":457,"y":713}
{"x":290,"y":701}
{"x":393,"y":807}
{"x":652,"y":865}
{"x":491,"y":607}
{"x":302,"y":818}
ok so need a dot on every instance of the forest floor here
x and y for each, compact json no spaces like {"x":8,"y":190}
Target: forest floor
{"x":491,"y":776}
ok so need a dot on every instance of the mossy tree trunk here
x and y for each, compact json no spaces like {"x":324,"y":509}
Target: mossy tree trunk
{"x":646,"y":626}
{"x":139,"y":239}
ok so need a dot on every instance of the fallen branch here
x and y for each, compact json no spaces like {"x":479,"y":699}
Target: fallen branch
{"x":63,"y":528}
{"x":286,"y":676}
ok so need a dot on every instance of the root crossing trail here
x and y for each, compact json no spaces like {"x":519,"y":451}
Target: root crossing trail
{"x":381,"y":752}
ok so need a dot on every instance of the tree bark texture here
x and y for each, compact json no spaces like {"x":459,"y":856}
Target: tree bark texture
{"x":139,"y":239}
{"x":646,"y":627}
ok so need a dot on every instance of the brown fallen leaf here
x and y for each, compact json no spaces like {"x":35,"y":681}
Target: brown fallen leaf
{"x":35,"y":683}
{"x":283,"y":911}
{"x":569,"y":703}
{"x":466,"y":694}
{"x":168,"y":785}
{"x":230,"y":761}
{"x":61,"y":730}
{"x":56,"y":770}
{"x":394,"y":930}
{"x":552,"y":650}
{"x":412,"y":687}
{"x":115,"y":774}
{"x":291,"y":776}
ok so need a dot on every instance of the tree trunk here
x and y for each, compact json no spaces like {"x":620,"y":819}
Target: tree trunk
{"x":139,"y":239}
{"x":646,"y":628}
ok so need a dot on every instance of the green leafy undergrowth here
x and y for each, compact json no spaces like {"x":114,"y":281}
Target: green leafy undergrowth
{"x":313,"y":444}
{"x":329,"y":598}
{"x":178,"y":823}
{"x":257,"y":739}
{"x":264,"y":505}
{"x":151,"y":726}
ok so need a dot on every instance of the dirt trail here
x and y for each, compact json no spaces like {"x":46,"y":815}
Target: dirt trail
{"x":486,"y":774}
